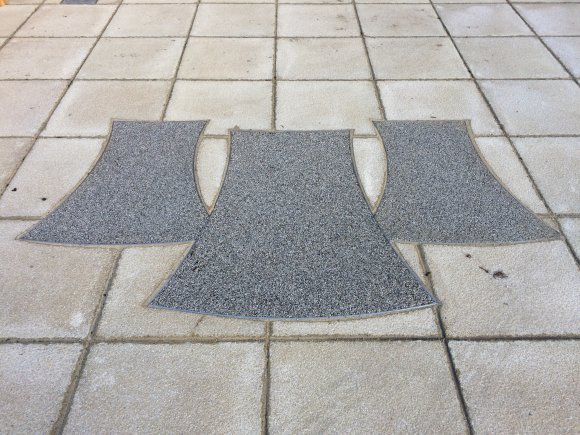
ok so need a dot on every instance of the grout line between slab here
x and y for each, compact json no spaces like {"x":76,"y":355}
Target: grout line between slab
{"x":265,"y":399}
{"x":66,"y":405}
{"x":370,"y":64}
{"x":196,"y":339}
{"x":444,"y":340}
{"x":178,"y":66}
{"x":505,"y":133}
{"x":275,"y":71}
{"x":182,"y":79}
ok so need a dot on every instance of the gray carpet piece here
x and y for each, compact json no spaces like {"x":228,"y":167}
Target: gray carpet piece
{"x":292,"y":237}
{"x":439,"y":190}
{"x":141,"y":191}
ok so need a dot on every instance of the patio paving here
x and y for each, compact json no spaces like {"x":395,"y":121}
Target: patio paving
{"x":82,"y":352}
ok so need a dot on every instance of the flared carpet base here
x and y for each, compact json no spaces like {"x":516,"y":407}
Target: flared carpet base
{"x":292,"y":237}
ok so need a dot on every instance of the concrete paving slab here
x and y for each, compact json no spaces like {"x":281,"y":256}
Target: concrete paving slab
{"x":51,"y":170}
{"x":523,"y":387}
{"x":89,"y":106}
{"x":30,"y":103}
{"x":12,"y":152}
{"x":553,"y":164}
{"x":362,"y":387}
{"x":197,"y":388}
{"x":133,"y":58}
{"x":555,"y":102}
{"x":48,"y":291}
{"x":60,"y":58}
{"x":33,"y":379}
{"x":519,"y":290}
{"x":143,"y":20}
{"x":67,"y":21}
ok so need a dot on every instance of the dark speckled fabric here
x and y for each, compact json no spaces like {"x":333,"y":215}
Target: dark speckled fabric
{"x":292,"y":237}
{"x":439,"y":191}
{"x":141,"y":191}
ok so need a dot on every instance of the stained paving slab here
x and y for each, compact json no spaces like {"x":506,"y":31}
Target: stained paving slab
{"x":439,"y":190}
{"x":141,"y":191}
{"x":292,"y":237}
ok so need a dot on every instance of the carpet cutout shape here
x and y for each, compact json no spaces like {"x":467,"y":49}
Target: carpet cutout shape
{"x":141,"y":191}
{"x":292,"y":237}
{"x":439,"y":190}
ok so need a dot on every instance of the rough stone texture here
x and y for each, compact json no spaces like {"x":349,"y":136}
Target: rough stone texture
{"x":553,"y":164}
{"x":571,"y":228}
{"x":568,"y":51}
{"x":528,"y":289}
{"x":438,"y":190}
{"x":345,"y":58}
{"x":179,"y":388}
{"x":317,"y":20}
{"x":12,"y":152}
{"x":371,"y":163}
{"x":428,"y":100}
{"x":561,"y":19}
{"x":509,"y":58}
{"x":327,"y":105}
{"x":11,"y":18}
{"x":226,"y":104}
{"x":48,"y":291}
{"x":234,"y":20}
{"x":399,"y":20}
{"x":520,"y":387}
{"x":144,"y":20}
{"x":504,"y":163}
{"x":133,"y":58}
{"x":60,"y":58}
{"x":30,"y":103}
{"x":89,"y":106}
{"x":362,"y":387}
{"x":482,"y":20}
{"x":315,"y":250}
{"x":555,"y":102}
{"x":67,"y":20}
{"x":228,"y":58}
{"x":33,"y":380}
{"x":415,"y":58}
{"x":122,"y":200}
{"x":210,"y":166}
{"x":51,"y":170}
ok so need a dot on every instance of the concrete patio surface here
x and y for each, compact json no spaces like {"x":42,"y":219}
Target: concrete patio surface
{"x":80,"y":350}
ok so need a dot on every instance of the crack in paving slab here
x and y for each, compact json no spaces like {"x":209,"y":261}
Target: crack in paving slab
{"x":439,"y":190}
{"x":141,"y":191}
{"x":292,"y":237}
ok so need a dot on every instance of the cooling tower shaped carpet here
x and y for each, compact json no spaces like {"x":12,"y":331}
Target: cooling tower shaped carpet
{"x":141,"y":191}
{"x":439,"y":190}
{"x":292,"y":237}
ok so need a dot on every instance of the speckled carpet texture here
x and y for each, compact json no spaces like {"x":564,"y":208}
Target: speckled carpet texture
{"x":141,"y":191}
{"x":292,"y":237}
{"x":439,"y":190}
